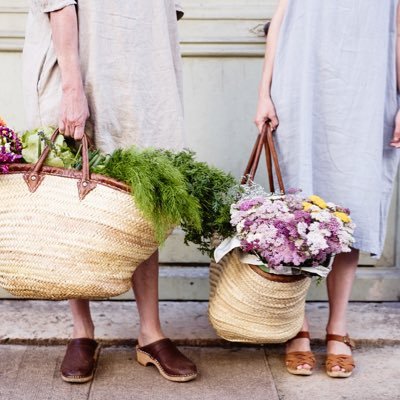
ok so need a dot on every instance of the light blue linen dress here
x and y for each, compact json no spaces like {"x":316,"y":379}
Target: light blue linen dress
{"x":334,"y":88}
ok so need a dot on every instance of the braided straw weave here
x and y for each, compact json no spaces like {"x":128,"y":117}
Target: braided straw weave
{"x":55,"y":246}
{"x":247,"y":307}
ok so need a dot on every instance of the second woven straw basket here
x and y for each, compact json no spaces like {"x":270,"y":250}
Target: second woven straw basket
{"x":67,"y":234}
{"x":249,"y":305}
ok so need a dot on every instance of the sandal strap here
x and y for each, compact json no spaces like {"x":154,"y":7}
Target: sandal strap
{"x":340,"y":360}
{"x":302,"y":335}
{"x":343,"y":339}
{"x":296,"y":358}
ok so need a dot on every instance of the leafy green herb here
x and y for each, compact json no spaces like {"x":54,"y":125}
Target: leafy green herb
{"x":159,"y":189}
{"x":214,"y":190}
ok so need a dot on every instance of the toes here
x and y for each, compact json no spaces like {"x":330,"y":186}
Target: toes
{"x":304,"y":366}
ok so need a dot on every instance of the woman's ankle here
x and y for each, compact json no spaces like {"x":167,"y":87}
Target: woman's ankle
{"x":150,"y":336}
{"x":336,"y":329}
{"x":83,"y":332}
{"x":299,"y":344}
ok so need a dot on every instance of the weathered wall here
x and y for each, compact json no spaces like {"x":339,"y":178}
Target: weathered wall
{"x":222,"y":47}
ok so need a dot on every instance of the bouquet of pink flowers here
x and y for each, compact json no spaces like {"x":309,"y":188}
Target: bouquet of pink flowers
{"x":10,"y":147}
{"x":288,"y":233}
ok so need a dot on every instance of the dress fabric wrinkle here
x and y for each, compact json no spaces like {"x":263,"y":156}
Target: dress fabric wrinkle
{"x":131,"y":69}
{"x":335,"y":92}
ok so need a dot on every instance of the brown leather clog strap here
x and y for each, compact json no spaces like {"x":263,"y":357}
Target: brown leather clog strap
{"x":162,"y":345}
{"x":169,"y":358}
{"x":80,"y":358}
{"x":342,"y":339}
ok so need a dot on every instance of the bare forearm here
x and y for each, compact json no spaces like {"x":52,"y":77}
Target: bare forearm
{"x":74,"y":106}
{"x":64,"y":25}
{"x":395,"y":142}
{"x":270,"y":49}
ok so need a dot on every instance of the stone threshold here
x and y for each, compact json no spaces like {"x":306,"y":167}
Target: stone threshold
{"x":190,"y":283}
{"x":49,"y":323}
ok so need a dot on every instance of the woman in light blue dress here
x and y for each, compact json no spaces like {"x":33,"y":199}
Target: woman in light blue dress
{"x":329,"y":87}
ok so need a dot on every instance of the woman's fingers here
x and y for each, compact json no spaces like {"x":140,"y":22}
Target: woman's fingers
{"x":274,"y":122}
{"x":74,"y":113}
{"x":65,"y":127}
{"x":266,"y":113}
{"x":72,"y":129}
{"x":396,"y":141}
{"x":61,"y":126}
{"x":396,"y":134}
{"x":260,"y":124}
{"x":79,"y":132}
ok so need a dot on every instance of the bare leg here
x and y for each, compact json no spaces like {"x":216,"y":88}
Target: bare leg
{"x":80,"y":357}
{"x":301,"y":344}
{"x":83,"y":324}
{"x":145,"y":286}
{"x":339,"y":283}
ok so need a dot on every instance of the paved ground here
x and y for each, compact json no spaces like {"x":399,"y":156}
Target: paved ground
{"x":30,"y":369}
{"x":32,"y":373}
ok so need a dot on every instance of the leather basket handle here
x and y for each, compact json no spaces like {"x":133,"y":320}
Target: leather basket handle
{"x":265,"y":140}
{"x":34,"y":177}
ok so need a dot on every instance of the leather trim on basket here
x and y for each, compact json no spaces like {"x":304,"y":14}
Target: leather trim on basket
{"x":70,"y":173}
{"x":277,"y":278}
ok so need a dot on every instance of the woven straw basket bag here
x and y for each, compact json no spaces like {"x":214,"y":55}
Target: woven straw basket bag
{"x":247,"y":304}
{"x":68,"y":234}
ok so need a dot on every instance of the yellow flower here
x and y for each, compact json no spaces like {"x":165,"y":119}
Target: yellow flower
{"x":2,"y":122}
{"x":343,"y":216}
{"x":306,"y":205}
{"x":317,"y":201}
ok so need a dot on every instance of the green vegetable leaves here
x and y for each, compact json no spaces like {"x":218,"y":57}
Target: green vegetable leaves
{"x":212,"y":189}
{"x":35,"y":141}
{"x":159,"y":189}
{"x":170,"y":188}
{"x":174,"y":189}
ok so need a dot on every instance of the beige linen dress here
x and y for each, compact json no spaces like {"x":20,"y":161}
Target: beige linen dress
{"x":131,"y":71}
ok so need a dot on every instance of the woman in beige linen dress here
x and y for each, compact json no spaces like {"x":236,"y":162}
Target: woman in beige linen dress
{"x":130,"y":65}
{"x":111,"y":68}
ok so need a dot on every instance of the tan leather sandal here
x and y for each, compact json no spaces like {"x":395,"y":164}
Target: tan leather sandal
{"x":344,"y":361}
{"x":296,"y":358}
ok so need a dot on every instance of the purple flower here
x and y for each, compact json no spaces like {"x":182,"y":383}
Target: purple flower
{"x":247,"y":204}
{"x":281,"y":232}
{"x":4,"y":168}
{"x":293,"y":191}
{"x":10,"y":148}
{"x":301,"y":215}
